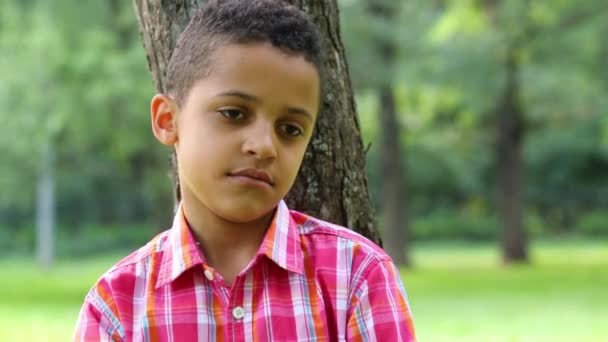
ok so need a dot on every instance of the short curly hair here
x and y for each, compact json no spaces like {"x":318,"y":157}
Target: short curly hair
{"x":222,"y":22}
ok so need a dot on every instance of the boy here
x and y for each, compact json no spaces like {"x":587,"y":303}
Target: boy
{"x":237,"y":265}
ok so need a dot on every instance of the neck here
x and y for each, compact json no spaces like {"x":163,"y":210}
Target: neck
{"x":227,"y":246}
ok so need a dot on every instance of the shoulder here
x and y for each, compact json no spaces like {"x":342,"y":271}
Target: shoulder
{"x":315,"y":228}
{"x":329,"y":244}
{"x":155,"y":247}
{"x":112,"y":295}
{"x":122,"y":276}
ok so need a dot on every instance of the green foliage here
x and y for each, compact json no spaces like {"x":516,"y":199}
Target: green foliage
{"x":91,"y":239}
{"x":450,"y":74}
{"x":75,"y":77}
{"x":593,"y":224}
{"x":448,"y":225}
{"x":99,"y":240}
{"x":454,"y":226}
{"x":565,"y":185}
{"x":7,"y":239}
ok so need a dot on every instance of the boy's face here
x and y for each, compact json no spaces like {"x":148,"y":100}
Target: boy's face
{"x":242,"y":132}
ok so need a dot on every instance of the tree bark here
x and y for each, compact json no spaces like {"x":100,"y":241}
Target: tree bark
{"x":332,"y":183}
{"x":510,"y":165}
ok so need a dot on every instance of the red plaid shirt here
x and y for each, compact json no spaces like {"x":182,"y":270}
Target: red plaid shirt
{"x":309,"y":281}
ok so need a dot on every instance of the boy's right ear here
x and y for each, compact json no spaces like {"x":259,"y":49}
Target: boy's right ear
{"x":163,"y":114}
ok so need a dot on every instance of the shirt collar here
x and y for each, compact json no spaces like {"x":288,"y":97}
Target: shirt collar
{"x":281,"y":244}
{"x":180,"y":251}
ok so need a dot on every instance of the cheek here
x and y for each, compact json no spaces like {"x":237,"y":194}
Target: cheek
{"x":197,"y":151}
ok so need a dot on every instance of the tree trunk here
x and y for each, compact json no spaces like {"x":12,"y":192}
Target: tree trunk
{"x":393,"y":197}
{"x":510,"y":137}
{"x":45,"y":209}
{"x":510,"y":165}
{"x":332,"y":183}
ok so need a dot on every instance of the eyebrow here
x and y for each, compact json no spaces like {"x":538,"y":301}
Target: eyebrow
{"x":251,"y":98}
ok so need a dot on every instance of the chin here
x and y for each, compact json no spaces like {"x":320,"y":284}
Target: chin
{"x":247,"y":214}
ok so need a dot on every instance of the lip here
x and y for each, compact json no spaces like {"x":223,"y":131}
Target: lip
{"x":253,"y":175}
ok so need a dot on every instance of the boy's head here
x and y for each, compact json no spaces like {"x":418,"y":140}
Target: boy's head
{"x":243,"y":97}
{"x":223,"y":22}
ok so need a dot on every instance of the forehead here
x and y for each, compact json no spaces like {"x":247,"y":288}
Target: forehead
{"x":264,"y":71}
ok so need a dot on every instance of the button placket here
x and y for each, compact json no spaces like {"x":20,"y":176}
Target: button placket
{"x":238,"y":312}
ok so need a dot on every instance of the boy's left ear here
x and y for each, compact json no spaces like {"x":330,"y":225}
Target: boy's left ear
{"x":163,"y":115}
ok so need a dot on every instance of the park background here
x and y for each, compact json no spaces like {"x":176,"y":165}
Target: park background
{"x":77,"y":155}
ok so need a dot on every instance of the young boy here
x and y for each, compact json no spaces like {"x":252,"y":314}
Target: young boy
{"x":237,"y":265}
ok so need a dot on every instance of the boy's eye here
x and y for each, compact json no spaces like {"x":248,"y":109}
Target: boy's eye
{"x":232,"y":114}
{"x":291,"y":130}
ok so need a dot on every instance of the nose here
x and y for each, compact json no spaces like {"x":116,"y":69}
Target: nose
{"x":261,"y":142}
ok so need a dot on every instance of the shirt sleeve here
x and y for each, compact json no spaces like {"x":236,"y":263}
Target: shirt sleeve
{"x":94,"y":324}
{"x":379,"y":309}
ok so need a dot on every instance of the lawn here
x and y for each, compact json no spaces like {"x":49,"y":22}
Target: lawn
{"x":461,"y":293}
{"x":458,"y":292}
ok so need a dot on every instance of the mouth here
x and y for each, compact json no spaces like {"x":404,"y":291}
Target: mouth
{"x":252,"y":176}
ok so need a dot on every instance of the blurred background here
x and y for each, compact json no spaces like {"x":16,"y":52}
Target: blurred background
{"x":499,"y":108}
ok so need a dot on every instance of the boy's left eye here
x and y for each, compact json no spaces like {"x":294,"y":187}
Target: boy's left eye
{"x":232,"y":114}
{"x":291,"y":130}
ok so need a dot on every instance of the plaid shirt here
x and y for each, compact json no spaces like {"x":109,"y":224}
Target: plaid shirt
{"x":309,"y":281}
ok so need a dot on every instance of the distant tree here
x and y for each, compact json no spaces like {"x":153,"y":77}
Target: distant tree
{"x":393,"y":198}
{"x":520,"y":26}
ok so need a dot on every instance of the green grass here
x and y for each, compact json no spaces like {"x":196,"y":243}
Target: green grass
{"x":458,"y":292}
{"x":37,"y":305}
{"x":464,"y":293}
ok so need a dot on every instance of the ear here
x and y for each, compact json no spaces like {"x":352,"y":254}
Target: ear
{"x":163,"y":114}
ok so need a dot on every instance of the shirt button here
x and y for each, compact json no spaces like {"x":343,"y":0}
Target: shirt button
{"x":208,"y":274}
{"x":238,"y":312}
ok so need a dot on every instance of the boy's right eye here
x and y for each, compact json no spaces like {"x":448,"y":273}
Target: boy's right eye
{"x":232,"y":114}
